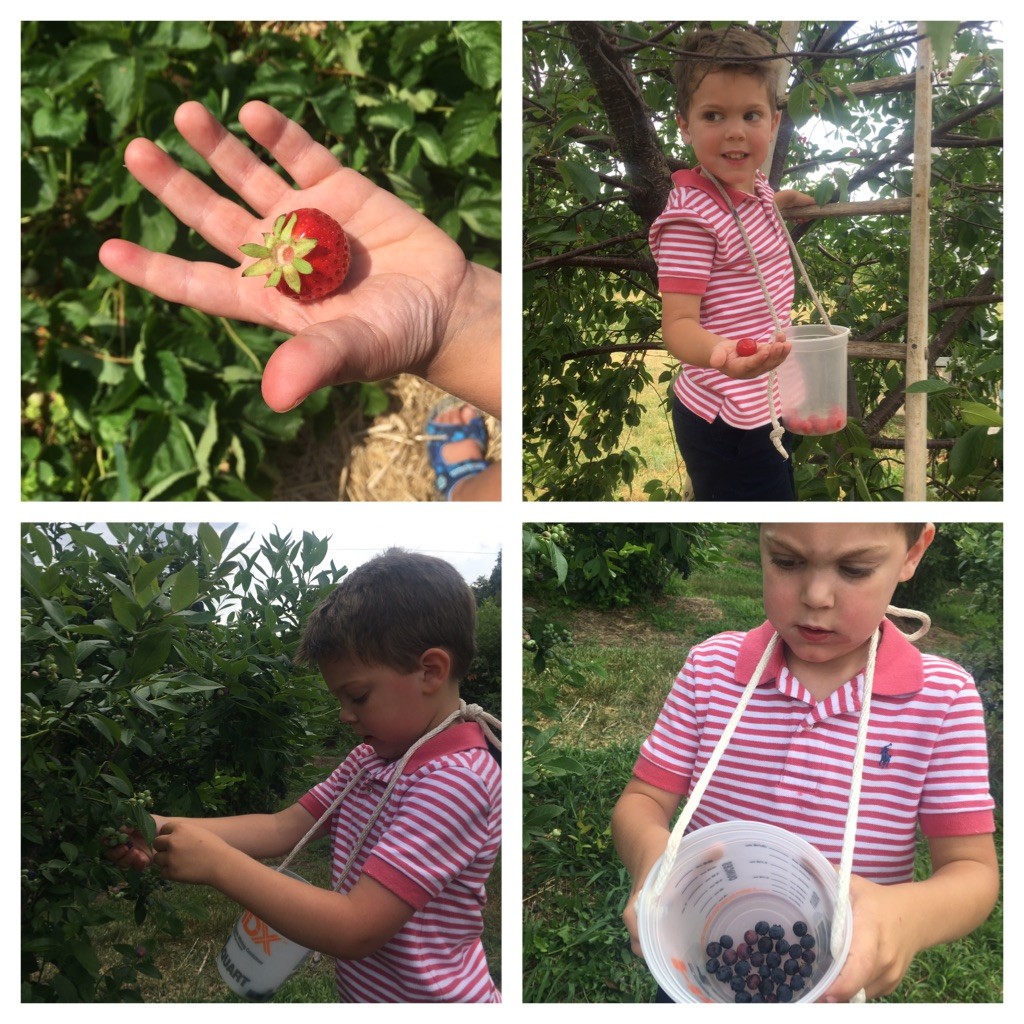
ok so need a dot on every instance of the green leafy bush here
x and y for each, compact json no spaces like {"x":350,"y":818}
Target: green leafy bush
{"x":155,"y":670}
{"x":606,"y":565}
{"x":126,"y":396}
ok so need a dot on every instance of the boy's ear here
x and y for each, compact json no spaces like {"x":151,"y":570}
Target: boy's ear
{"x":436,"y":666}
{"x":916,"y":552}
{"x":684,"y":127}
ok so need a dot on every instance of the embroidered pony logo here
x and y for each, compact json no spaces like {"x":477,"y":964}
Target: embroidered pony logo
{"x":885,"y":757}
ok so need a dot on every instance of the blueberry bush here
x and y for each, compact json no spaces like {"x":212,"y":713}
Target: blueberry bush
{"x":156,"y":672}
{"x":126,"y":396}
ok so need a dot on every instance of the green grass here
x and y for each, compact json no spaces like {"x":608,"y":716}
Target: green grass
{"x":575,"y":946}
{"x":188,"y":963}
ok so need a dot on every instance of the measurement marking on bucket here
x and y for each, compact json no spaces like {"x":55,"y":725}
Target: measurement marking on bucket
{"x":730,"y":870}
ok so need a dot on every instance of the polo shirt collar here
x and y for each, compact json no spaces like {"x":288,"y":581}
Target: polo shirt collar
{"x":692,"y":178}
{"x":899,"y":667}
{"x":456,"y":738}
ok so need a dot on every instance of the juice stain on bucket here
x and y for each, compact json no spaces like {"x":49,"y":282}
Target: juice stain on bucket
{"x":695,"y":990}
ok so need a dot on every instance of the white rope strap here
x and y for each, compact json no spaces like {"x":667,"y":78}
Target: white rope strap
{"x":777,"y":429}
{"x":465,"y":712}
{"x":845,"y":869}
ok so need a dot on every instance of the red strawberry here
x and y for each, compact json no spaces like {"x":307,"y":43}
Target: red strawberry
{"x":746,"y":347}
{"x":306,"y":255}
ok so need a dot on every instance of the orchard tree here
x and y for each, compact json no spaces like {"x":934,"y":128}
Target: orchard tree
{"x":600,"y":147}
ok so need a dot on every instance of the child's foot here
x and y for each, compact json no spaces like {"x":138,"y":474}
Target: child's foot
{"x":456,"y":443}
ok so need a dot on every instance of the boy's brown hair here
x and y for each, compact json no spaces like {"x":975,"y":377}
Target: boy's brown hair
{"x":709,"y":50}
{"x":390,"y":610}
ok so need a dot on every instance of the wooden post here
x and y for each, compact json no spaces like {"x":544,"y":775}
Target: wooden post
{"x":915,"y":466}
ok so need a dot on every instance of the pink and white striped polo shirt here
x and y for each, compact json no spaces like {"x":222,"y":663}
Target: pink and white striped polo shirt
{"x":433,"y":846}
{"x":700,"y":251}
{"x":789,"y":761}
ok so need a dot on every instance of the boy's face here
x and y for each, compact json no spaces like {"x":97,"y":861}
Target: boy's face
{"x":826,"y":589}
{"x":730,"y":125}
{"x":386,"y":707}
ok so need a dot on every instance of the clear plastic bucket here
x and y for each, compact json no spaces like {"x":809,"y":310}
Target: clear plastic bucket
{"x":255,"y":961}
{"x":725,"y":879}
{"x":812,"y":379}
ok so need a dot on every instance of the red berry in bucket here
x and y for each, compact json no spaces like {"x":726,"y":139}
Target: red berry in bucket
{"x":306,"y":256}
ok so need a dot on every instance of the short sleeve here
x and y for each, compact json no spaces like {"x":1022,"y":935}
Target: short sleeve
{"x":668,"y":754}
{"x":445,"y":820}
{"x":956,"y":799}
{"x":684,"y":248}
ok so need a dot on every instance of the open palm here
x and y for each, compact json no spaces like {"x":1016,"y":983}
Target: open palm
{"x":400,"y":304}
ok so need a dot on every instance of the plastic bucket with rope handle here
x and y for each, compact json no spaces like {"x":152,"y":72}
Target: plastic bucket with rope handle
{"x":812,"y":379}
{"x":256,"y":961}
{"x":726,"y":878}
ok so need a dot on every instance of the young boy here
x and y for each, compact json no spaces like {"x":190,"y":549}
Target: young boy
{"x":826,"y":590}
{"x":392,"y":642}
{"x":711,"y":297}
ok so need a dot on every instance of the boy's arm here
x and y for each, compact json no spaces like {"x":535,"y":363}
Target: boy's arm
{"x":892,"y":923}
{"x":258,"y":835}
{"x":640,"y":828}
{"x":348,"y":926}
{"x":690,"y":343}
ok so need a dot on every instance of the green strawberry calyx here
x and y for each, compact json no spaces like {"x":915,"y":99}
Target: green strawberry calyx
{"x":280,"y":256}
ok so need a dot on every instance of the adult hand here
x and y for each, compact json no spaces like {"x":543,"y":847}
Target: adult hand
{"x":411,"y":301}
{"x":726,"y":358}
{"x":186,"y":852}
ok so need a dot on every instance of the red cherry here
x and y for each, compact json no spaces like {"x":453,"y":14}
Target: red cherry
{"x":746,"y":347}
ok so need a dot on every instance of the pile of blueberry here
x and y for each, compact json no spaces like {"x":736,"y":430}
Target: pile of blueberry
{"x":765,"y":967}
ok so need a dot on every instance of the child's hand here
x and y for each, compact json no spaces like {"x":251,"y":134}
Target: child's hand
{"x":790,"y":199}
{"x":409,"y":291}
{"x":878,"y":956}
{"x":728,"y":356}
{"x":135,"y":855}
{"x":185,"y":852}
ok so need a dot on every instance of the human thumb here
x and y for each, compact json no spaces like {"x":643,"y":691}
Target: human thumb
{"x":334,"y":352}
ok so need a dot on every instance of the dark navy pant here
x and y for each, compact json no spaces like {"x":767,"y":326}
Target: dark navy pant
{"x":726,"y":463}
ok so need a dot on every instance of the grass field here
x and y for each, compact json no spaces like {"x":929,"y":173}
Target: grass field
{"x":188,"y":963}
{"x":575,"y":947}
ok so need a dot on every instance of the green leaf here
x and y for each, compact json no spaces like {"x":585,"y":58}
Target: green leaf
{"x":185,"y":588}
{"x":211,"y":544}
{"x":126,"y":612}
{"x":431,"y":143}
{"x":977,"y":414}
{"x":172,"y":377}
{"x":931,"y":386}
{"x":481,"y":211}
{"x":391,"y":115}
{"x":941,"y":34}
{"x":480,"y":51}
{"x":965,"y":457}
{"x":150,"y":652}
{"x":122,"y":87}
{"x":580,"y":178}
{"x":471,"y":126}
{"x":66,"y":126}
{"x":965,"y":68}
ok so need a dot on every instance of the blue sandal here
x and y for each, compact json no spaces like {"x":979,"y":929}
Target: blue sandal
{"x":448,"y":474}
